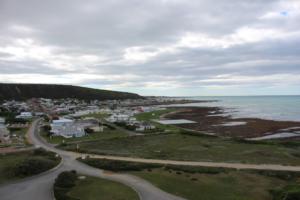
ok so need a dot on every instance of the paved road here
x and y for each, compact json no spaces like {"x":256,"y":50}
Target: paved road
{"x":40,"y":187}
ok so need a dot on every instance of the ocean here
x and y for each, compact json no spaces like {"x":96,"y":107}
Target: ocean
{"x":282,"y":108}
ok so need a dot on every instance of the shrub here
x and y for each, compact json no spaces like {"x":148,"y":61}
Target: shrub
{"x":66,"y":179}
{"x":115,"y":165}
{"x":290,"y":192}
{"x":47,"y":128}
{"x":63,"y":183}
{"x":192,"y":169}
{"x":32,"y":166}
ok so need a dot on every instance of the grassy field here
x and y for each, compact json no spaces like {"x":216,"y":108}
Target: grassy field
{"x":226,"y":186}
{"x":147,"y":116}
{"x":106,"y":134}
{"x":210,"y":183}
{"x":9,"y":162}
{"x":93,"y":188}
{"x":96,"y":115}
{"x":188,"y":147}
{"x":155,"y":115}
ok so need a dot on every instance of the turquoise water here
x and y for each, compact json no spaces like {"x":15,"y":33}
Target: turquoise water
{"x":265,"y":107}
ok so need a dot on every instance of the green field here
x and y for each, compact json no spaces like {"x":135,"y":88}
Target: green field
{"x":196,"y":148}
{"x":155,"y":115}
{"x":210,"y":183}
{"x":226,"y":186}
{"x":96,"y":115}
{"x":147,"y":116}
{"x":10,"y":164}
{"x":93,"y":188}
{"x":106,"y":134}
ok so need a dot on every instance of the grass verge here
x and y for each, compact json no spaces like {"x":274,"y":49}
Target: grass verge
{"x":16,"y":166}
{"x":193,"y":148}
{"x":208,"y":183}
{"x":68,"y":187}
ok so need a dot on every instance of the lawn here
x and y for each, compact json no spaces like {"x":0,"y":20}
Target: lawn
{"x":196,"y":148}
{"x":106,"y":134}
{"x":226,"y":186}
{"x":155,"y":115}
{"x":96,"y":115}
{"x":10,"y":162}
{"x":147,"y":116}
{"x":93,"y":188}
{"x":210,"y":183}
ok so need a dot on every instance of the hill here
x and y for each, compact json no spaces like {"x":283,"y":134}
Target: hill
{"x":53,"y":91}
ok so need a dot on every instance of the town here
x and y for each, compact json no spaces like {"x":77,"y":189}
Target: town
{"x":74,"y":118}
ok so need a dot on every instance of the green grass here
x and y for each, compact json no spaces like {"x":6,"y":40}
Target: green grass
{"x":155,"y":115}
{"x":93,"y":188}
{"x":8,"y":162}
{"x":96,"y":115}
{"x":147,"y":116}
{"x":226,"y":186}
{"x":188,"y":147}
{"x":106,"y":134}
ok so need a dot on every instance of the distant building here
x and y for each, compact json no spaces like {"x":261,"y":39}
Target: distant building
{"x":67,"y":130}
{"x":2,"y":120}
{"x":4,"y":134}
{"x":24,"y":115}
{"x":144,"y":126}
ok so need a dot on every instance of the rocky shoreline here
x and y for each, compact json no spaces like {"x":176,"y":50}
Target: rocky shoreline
{"x":215,"y":121}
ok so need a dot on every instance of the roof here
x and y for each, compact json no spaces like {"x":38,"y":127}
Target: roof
{"x":62,"y":120}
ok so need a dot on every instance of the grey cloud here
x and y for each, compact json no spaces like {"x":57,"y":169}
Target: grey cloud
{"x":72,"y":29}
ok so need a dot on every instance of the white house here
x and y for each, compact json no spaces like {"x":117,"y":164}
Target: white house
{"x":2,"y":120}
{"x":67,"y":130}
{"x":24,"y":115}
{"x":62,"y":121}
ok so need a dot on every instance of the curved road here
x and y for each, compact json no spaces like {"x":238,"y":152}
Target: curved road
{"x":40,"y":186}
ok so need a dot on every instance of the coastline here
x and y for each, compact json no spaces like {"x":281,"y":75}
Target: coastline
{"x":214,"y":120}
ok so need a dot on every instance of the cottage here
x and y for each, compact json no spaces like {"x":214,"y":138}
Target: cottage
{"x":24,"y":115}
{"x":67,"y":130}
{"x":144,"y":126}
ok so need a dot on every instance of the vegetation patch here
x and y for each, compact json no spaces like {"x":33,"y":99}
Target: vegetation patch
{"x":63,"y":184}
{"x":68,"y":186}
{"x":19,"y":165}
{"x":178,"y":146}
{"x":115,"y":165}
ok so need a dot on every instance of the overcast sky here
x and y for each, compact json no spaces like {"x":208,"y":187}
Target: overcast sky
{"x":154,"y":47}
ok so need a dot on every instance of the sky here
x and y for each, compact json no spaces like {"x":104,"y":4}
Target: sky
{"x":154,"y":47}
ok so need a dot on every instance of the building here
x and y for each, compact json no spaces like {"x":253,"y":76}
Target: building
{"x":24,"y":115}
{"x":4,"y":133}
{"x":67,"y":130}
{"x":144,"y":126}
{"x":2,"y":120}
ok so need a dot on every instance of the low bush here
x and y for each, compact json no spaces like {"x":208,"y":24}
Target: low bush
{"x":290,"y":192}
{"x":201,"y":170}
{"x":194,"y":133}
{"x":32,"y":166}
{"x":63,"y":183}
{"x":115,"y":165}
{"x":284,"y":175}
